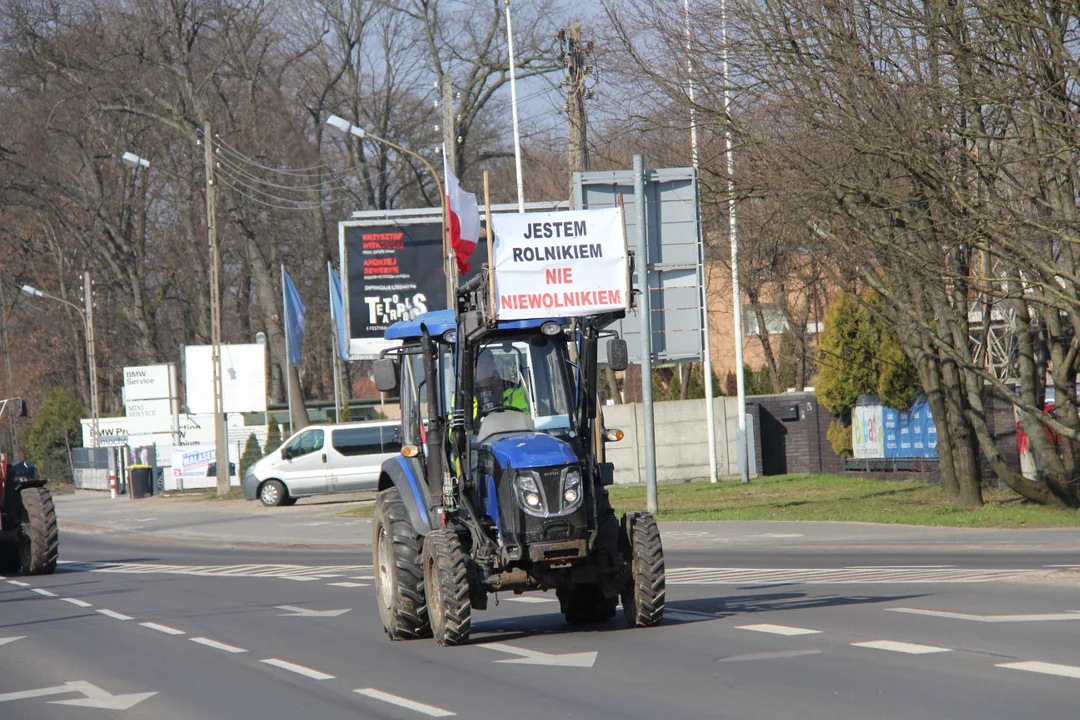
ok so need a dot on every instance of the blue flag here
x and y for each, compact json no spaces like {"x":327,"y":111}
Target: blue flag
{"x":337,"y":312}
{"x":294,"y":317}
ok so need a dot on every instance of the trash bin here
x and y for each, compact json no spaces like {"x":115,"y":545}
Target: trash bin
{"x":141,"y":478}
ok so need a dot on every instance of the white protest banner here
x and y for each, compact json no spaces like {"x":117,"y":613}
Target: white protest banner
{"x":559,"y":264}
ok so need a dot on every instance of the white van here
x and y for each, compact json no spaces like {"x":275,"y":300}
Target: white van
{"x":323,"y":459}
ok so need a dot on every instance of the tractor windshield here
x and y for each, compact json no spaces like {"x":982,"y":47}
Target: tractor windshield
{"x":529,"y":375}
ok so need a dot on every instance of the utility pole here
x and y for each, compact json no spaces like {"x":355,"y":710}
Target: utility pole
{"x":9,"y":386}
{"x":575,"y":54}
{"x":91,"y":357}
{"x":221,"y":442}
{"x":449,"y":130}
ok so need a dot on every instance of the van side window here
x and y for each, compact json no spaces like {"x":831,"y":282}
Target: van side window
{"x":358,"y":441}
{"x":391,"y":438}
{"x":306,"y":442}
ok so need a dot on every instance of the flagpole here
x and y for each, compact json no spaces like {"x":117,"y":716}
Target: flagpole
{"x":334,"y":336}
{"x":514,"y":108}
{"x":285,"y":313}
{"x":449,"y":259}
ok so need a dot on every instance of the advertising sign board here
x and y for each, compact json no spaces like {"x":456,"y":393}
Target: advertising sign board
{"x":149,"y":382}
{"x":867,"y":437}
{"x":243,"y":378}
{"x":565,"y":264}
{"x":150,"y":416}
{"x":394,"y":271}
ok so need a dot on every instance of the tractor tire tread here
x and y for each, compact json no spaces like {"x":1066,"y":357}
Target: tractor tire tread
{"x":43,"y":531}
{"x":408,"y":616}
{"x":645,"y":593}
{"x":444,"y":555}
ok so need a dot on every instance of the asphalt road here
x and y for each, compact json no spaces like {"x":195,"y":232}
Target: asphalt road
{"x":761,"y":632}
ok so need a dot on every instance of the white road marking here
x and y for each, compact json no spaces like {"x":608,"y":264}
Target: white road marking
{"x":5,"y":641}
{"x":363,"y":577}
{"x":1044,"y":668}
{"x":902,"y":647}
{"x":76,"y":601}
{"x":18,"y":584}
{"x":298,"y":669}
{"x":770,"y":655}
{"x":162,"y":628}
{"x":531,"y":599}
{"x":1061,"y":566}
{"x":535,"y":657}
{"x":93,"y":696}
{"x":1043,"y":617}
{"x":46,"y":593}
{"x":115,"y":615}
{"x":349,"y":584}
{"x":218,"y":645}
{"x":779,"y":629}
{"x":838,"y":576}
{"x":293,"y":611}
{"x":300,"y":579}
{"x":897,"y":567}
{"x":429,"y":710}
{"x":300,"y":573}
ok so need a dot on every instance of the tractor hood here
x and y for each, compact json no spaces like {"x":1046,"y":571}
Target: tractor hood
{"x":530,"y":450}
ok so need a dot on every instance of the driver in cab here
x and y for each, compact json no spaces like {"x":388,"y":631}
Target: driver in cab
{"x":492,"y":392}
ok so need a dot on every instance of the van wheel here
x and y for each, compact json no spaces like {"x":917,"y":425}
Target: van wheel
{"x":273,"y":493}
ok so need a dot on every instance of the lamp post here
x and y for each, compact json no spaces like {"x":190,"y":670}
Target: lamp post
{"x":221,"y":442}
{"x":341,"y":127}
{"x":88,"y":329}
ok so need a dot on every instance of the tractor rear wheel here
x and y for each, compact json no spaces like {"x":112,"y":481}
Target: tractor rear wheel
{"x":446,"y":582}
{"x":644,"y":593}
{"x":399,"y":576}
{"x":39,"y":550}
{"x":585,"y":604}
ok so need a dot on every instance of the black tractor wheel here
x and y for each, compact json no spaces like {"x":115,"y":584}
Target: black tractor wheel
{"x":399,"y":576}
{"x":644,"y":593}
{"x":585,"y":604}
{"x":40,"y":548}
{"x":446,"y":584}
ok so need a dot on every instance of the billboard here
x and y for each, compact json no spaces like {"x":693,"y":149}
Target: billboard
{"x":113,"y":432}
{"x":393,"y":270}
{"x":909,"y":433}
{"x":150,"y":416}
{"x":867,"y":436}
{"x":149,"y":382}
{"x":243,"y":378}
{"x":567,"y":264}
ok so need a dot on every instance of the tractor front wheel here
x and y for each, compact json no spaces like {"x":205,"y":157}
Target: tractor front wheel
{"x":399,"y":576}
{"x":644,"y":594}
{"x":446,"y":582}
{"x":40,"y":547}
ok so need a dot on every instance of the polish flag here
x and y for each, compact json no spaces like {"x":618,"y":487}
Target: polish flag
{"x":464,"y":220}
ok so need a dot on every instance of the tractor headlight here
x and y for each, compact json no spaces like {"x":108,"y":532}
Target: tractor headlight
{"x":529,"y":493}
{"x":571,"y":491}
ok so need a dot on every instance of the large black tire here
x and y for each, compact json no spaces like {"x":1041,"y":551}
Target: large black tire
{"x":38,"y":552}
{"x":585,"y":604}
{"x":446,"y":584}
{"x":643,"y":596}
{"x":399,"y":577}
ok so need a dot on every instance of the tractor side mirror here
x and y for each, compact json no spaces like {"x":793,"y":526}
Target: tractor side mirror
{"x":386,"y":375}
{"x":618,"y":356}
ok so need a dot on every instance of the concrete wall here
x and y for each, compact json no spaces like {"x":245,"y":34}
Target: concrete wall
{"x":682,"y":451}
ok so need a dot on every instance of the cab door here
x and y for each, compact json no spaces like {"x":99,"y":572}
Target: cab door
{"x":305,"y":469}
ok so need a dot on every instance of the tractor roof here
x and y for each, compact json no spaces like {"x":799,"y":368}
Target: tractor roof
{"x":439,"y":321}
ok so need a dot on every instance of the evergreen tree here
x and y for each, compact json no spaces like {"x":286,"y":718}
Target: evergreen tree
{"x":56,"y":428}
{"x":252,"y":454}
{"x":273,"y":435}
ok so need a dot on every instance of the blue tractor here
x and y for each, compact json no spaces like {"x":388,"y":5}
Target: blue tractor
{"x":501,"y":484}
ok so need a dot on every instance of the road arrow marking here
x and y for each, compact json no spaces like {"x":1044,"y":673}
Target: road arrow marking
{"x":94,"y":697}
{"x":535,"y":657}
{"x":307,"y":612}
{"x":5,"y":641}
{"x":1045,"y":617}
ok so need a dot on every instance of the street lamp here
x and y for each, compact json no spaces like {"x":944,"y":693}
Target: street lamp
{"x":221,"y":442}
{"x":341,"y":127}
{"x":91,"y":357}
